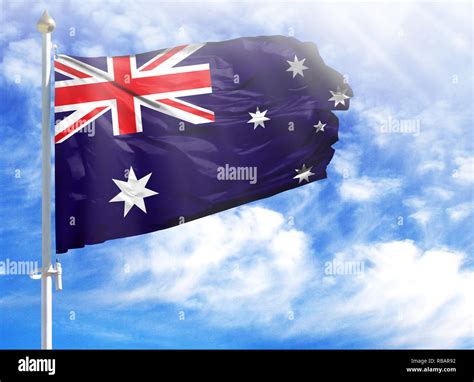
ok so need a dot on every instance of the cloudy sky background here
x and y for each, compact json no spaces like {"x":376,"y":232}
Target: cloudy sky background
{"x":256,"y":276}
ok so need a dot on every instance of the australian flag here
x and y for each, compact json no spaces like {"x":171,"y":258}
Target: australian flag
{"x":149,"y":141}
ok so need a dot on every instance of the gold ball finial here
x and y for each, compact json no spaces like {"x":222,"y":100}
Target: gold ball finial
{"x":46,"y":24}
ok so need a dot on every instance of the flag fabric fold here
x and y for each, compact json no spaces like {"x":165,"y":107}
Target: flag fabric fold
{"x":154,"y":140}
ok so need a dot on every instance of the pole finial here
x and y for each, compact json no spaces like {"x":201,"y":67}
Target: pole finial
{"x":46,"y":24}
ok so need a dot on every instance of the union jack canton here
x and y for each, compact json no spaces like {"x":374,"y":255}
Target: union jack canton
{"x":123,"y":87}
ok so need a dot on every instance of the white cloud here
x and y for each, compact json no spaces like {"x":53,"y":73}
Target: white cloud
{"x":460,"y":211}
{"x":414,"y":202}
{"x":88,"y":50}
{"x":8,"y":30}
{"x":423,"y":216}
{"x":439,"y":193}
{"x":366,"y":189}
{"x":246,"y":268}
{"x":431,"y":166}
{"x":21,"y":62}
{"x":425,"y":289}
{"x":465,"y":169}
{"x":140,"y":28}
{"x":407,"y":297}
{"x":18,"y":300}
{"x":434,"y":147}
{"x":246,"y":265}
{"x":346,"y":162}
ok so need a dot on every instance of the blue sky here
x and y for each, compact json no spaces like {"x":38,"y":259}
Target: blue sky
{"x":400,"y":203}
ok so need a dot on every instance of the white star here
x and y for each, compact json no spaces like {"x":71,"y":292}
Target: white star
{"x":319,"y":126}
{"x":338,"y":97}
{"x":297,"y":67}
{"x":303,"y":174}
{"x":258,"y":118}
{"x":133,"y":192}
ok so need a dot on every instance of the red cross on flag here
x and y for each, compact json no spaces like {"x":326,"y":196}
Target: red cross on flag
{"x":124,"y":88}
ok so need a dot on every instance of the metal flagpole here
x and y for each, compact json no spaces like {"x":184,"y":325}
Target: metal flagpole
{"x":46,"y":26}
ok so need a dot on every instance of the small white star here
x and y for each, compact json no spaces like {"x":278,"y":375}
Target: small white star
{"x":133,"y":192}
{"x":297,"y":67}
{"x":319,"y":126}
{"x":338,"y":97}
{"x":303,"y":173}
{"x":258,"y":118}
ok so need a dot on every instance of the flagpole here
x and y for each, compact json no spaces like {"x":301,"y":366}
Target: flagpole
{"x":46,"y":26}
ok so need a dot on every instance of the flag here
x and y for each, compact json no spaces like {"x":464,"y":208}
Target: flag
{"x":149,"y":141}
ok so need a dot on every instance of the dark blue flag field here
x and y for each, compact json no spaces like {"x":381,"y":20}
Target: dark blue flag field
{"x":150,"y":141}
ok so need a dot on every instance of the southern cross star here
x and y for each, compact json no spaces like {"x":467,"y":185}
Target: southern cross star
{"x":303,"y":173}
{"x":133,"y":192}
{"x":258,"y":118}
{"x":319,"y":126}
{"x":297,"y":67}
{"x":338,"y":97}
